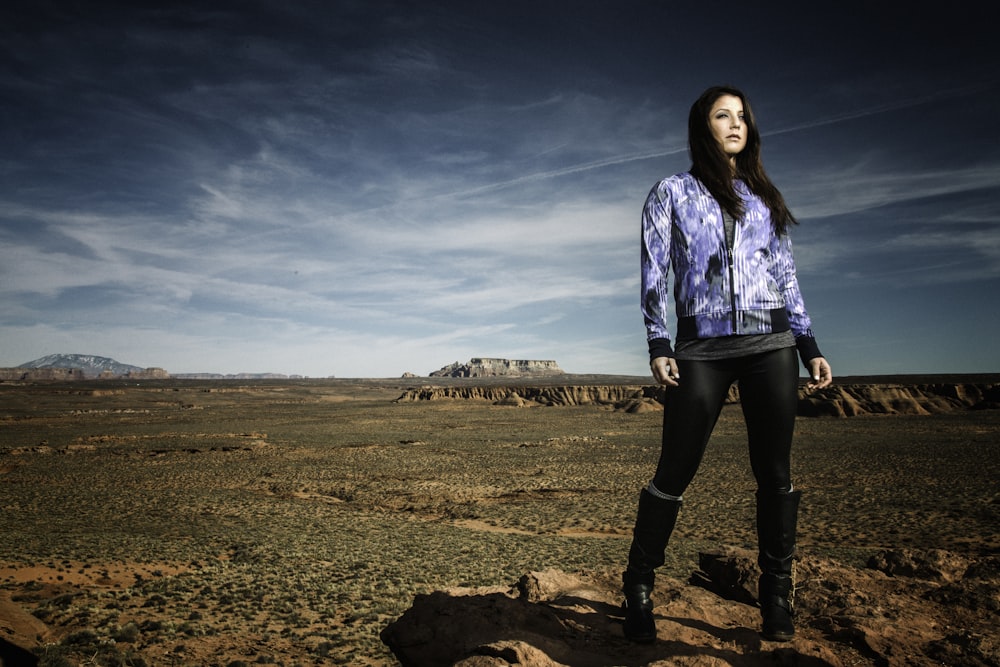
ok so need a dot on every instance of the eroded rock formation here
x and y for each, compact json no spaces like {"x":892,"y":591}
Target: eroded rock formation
{"x":148,"y":374}
{"x":899,"y":399}
{"x":613,"y":395}
{"x":487,"y":367}
{"x":835,"y":401}
{"x":32,"y":374}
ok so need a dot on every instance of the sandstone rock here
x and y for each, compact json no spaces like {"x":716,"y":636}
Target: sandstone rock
{"x":19,"y":633}
{"x":614,"y":396}
{"x":512,"y":399}
{"x":845,"y":616}
{"x":506,"y":653}
{"x":836,"y":401}
{"x":897,"y":399}
{"x":933,"y":564}
{"x":731,"y":573}
{"x":152,"y":373}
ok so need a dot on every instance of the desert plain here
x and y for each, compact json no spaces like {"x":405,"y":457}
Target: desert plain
{"x":291,"y":522}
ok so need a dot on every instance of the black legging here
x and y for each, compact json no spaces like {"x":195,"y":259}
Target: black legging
{"x":768,"y":384}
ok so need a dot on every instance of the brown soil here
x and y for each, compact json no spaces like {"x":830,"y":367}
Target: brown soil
{"x":291,"y":522}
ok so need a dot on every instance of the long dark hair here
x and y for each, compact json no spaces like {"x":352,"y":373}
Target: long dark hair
{"x":710,"y":164}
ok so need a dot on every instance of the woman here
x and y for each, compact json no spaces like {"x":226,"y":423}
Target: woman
{"x":723,"y":229}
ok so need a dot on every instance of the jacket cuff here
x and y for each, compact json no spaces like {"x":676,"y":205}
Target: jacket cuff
{"x":660,"y":347}
{"x":808,"y":349}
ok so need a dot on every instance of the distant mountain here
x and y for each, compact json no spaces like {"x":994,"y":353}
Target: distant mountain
{"x":91,"y":365}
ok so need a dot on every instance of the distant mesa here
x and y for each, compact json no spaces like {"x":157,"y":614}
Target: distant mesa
{"x":488,"y":367}
{"x":90,"y":367}
{"x":79,"y":367}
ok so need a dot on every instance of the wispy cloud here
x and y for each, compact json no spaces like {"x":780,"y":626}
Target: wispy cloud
{"x":347,"y":190}
{"x":825,"y":192}
{"x":895,"y":104}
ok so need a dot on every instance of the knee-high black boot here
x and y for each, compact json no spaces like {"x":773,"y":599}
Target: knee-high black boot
{"x":776,"y":521}
{"x":654,"y":523}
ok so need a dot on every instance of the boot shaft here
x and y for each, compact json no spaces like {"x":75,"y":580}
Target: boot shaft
{"x":777,"y":519}
{"x":654,"y":523}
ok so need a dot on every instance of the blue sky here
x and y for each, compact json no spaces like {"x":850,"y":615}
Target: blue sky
{"x":363,"y":189}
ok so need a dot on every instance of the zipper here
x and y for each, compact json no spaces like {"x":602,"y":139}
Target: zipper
{"x":732,"y":270}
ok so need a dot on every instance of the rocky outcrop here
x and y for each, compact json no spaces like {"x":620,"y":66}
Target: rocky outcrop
{"x":624,"y":397}
{"x":33,"y":374}
{"x":899,"y":399}
{"x":148,"y":374}
{"x":913,"y":608}
{"x":486,"y":367}
{"x":835,"y":401}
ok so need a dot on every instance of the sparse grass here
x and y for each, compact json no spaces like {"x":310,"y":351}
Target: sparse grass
{"x":288,"y":523}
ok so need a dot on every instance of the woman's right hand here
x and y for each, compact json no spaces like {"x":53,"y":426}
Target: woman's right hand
{"x":665,"y":370}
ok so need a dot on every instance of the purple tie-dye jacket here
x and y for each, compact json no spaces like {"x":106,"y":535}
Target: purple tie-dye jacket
{"x":752,"y":290}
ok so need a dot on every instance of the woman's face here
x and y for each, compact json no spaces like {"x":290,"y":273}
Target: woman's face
{"x":728,"y":126}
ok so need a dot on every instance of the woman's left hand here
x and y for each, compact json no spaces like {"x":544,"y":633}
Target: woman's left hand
{"x":820,"y":374}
